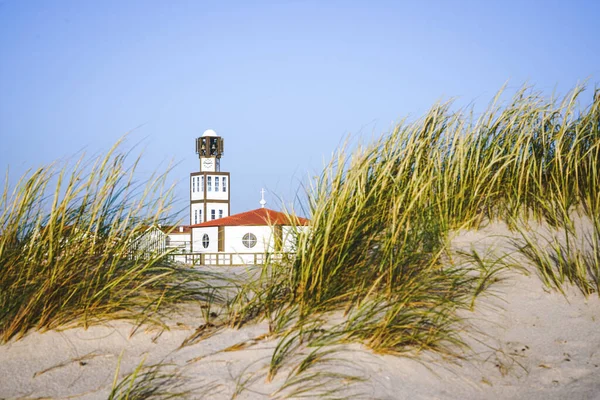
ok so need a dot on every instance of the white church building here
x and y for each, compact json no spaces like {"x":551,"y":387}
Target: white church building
{"x":213,"y":236}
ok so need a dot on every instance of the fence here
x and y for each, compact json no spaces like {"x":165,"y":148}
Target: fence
{"x":232,"y":259}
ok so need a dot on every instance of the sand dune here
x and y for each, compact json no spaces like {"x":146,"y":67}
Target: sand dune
{"x":526,"y":343}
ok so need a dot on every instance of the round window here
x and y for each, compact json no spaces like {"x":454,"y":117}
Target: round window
{"x":205,"y":240}
{"x":249,"y":240}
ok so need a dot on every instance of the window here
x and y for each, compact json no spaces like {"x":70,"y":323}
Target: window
{"x":202,"y":185}
{"x":224,"y":184}
{"x":249,"y":240}
{"x":200,"y":216}
{"x":212,"y":214}
{"x":209,"y":184}
{"x":193,"y":184}
{"x":195,"y":216}
{"x":220,"y":213}
{"x":205,"y":240}
{"x":216,"y":183}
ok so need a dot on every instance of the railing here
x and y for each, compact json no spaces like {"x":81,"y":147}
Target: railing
{"x":232,"y":259}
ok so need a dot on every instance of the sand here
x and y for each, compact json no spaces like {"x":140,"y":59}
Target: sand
{"x":527,"y":343}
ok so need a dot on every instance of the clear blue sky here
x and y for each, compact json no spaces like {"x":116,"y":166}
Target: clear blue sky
{"x":282,"y":81}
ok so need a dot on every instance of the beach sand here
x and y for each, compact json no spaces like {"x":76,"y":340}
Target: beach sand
{"x":527,"y":342}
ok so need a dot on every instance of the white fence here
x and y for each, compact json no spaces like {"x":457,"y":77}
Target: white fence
{"x":232,"y":259}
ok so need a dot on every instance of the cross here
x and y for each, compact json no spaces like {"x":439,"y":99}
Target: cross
{"x":262,"y":198}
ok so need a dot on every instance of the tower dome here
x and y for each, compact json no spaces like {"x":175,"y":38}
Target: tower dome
{"x":209,"y":132}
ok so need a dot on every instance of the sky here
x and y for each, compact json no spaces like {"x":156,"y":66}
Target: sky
{"x":283,"y":82}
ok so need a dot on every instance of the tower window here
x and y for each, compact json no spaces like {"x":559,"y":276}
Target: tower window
{"x":224,"y":184}
{"x":216,"y":183}
{"x":200,"y":216}
{"x":220,"y":213}
{"x":212,"y":214}
{"x":209,"y":184}
{"x":205,"y":240}
{"x":193,"y":184}
{"x":195,"y":216}
{"x":202,"y":185}
{"x":249,"y":240}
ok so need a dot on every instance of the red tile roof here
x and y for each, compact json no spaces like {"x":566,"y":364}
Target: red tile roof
{"x":258,"y":217}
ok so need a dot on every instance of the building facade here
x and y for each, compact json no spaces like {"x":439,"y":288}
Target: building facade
{"x":258,"y":231}
{"x":213,"y":236}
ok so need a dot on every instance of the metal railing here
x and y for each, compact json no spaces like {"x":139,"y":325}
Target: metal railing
{"x":232,"y":259}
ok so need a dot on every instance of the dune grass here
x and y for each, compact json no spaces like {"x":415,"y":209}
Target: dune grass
{"x":70,"y":249}
{"x":157,"y":381}
{"x":566,"y":255}
{"x":373,"y":268}
{"x":381,"y":213}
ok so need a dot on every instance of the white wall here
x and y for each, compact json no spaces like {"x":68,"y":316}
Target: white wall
{"x":234,"y":235}
{"x":199,"y":207}
{"x":213,"y":236}
{"x":179,"y":240}
{"x":220,"y":195}
{"x":197,"y":194}
{"x":197,"y":188}
{"x":233,"y":239}
{"x":216,"y":207}
{"x":289,"y":237}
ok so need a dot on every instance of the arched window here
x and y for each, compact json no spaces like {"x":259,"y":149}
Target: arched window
{"x":205,"y":240}
{"x":249,"y":240}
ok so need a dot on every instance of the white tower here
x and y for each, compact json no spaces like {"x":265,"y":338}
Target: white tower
{"x":209,"y":189}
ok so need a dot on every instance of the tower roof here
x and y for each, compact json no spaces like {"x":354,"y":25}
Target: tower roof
{"x":258,"y":217}
{"x":209,"y":132}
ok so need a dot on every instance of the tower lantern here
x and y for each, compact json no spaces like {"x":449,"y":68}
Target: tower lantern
{"x":209,"y":148}
{"x":209,"y":188}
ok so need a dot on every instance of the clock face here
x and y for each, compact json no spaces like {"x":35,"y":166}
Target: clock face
{"x":208,"y":164}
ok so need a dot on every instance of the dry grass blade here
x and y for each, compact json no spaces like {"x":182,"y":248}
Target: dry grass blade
{"x":73,"y":254}
{"x":157,"y":382}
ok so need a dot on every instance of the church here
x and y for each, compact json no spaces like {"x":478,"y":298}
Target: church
{"x":213,"y":236}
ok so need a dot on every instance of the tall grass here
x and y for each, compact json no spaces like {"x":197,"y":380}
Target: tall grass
{"x":67,"y":248}
{"x":567,"y":255}
{"x":380,"y":215}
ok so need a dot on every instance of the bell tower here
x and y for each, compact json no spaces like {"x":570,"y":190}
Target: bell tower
{"x":210,"y":193}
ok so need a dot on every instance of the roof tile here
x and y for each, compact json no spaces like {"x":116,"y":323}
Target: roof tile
{"x":258,"y":217}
